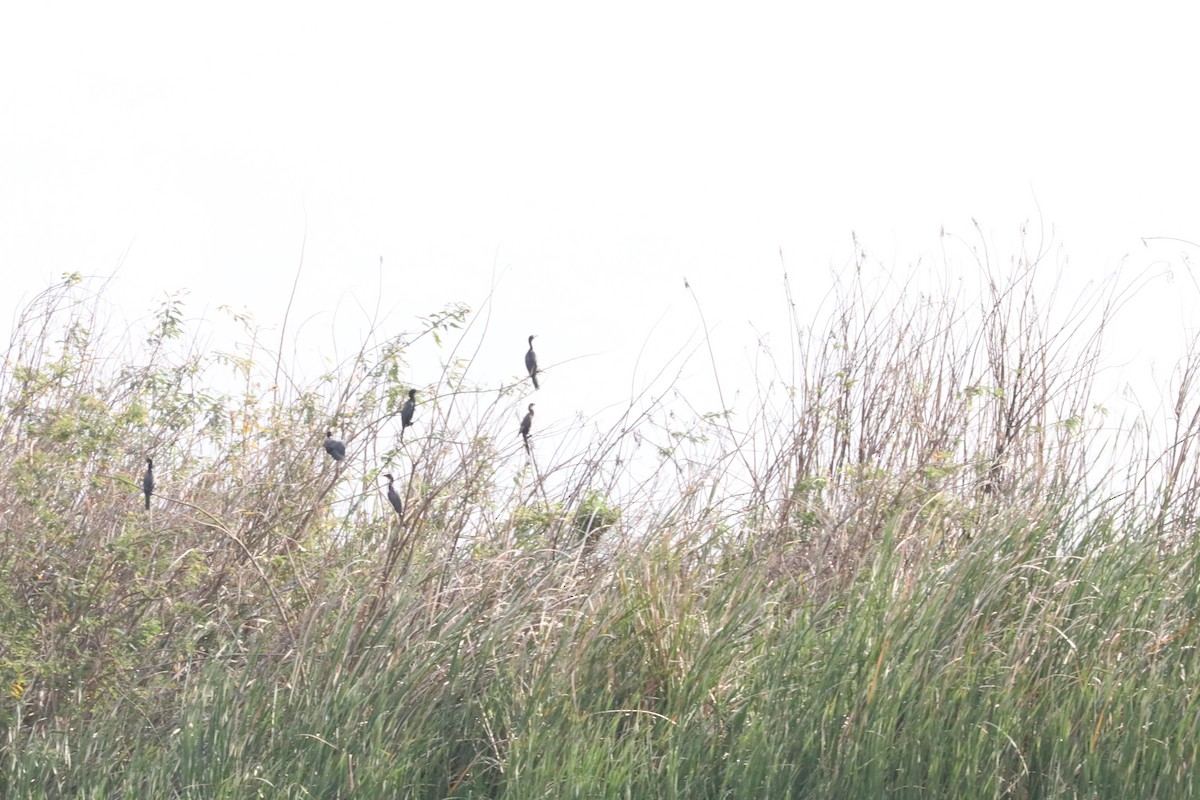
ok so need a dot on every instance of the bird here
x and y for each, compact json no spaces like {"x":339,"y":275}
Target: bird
{"x":393,"y":496}
{"x":406,"y":413}
{"x":526,"y":424}
{"x":148,"y":481}
{"x":334,"y":447}
{"x":531,"y":363}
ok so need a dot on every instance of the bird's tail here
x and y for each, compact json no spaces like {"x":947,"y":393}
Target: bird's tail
{"x":147,"y":501}
{"x":533,"y":377}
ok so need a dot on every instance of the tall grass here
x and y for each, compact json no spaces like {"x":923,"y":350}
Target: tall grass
{"x":904,"y":571}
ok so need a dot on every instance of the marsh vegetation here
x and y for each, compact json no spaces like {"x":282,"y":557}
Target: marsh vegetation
{"x":923,"y":562}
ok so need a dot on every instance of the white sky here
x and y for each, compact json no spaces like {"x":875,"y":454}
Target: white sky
{"x":592,"y":157}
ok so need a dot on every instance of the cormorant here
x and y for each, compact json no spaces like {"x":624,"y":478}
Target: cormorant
{"x":148,"y":481}
{"x":334,"y":447}
{"x":526,"y":424}
{"x":531,"y":363}
{"x":393,"y":496}
{"x":406,"y":413}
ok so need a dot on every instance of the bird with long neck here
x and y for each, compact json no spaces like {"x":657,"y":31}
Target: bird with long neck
{"x":531,"y":363}
{"x":334,"y":447}
{"x":526,"y":426}
{"x":406,"y":413}
{"x":394,"y":496}
{"x":148,"y":481}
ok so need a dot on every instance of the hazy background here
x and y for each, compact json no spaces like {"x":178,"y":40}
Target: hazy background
{"x":575,"y":165}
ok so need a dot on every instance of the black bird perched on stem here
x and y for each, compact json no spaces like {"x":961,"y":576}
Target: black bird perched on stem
{"x":406,"y":413}
{"x":148,"y":481}
{"x":334,"y":447}
{"x":526,"y":424}
{"x":393,"y":496}
{"x":531,"y":363}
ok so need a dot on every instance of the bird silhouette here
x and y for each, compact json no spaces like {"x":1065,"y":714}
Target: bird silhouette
{"x":526,"y":425}
{"x":393,"y":496}
{"x":531,"y":363}
{"x":406,"y":413}
{"x":148,"y":481}
{"x":334,"y":447}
